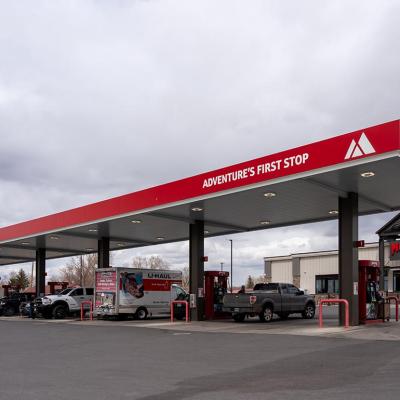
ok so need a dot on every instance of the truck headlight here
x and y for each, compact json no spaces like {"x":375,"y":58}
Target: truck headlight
{"x":46,"y":301}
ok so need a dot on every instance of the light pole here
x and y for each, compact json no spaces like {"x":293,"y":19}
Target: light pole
{"x":222,"y":266}
{"x":231,"y":265}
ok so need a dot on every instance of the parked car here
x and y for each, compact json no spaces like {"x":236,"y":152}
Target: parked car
{"x":64,"y":304}
{"x":11,"y":305}
{"x":267,"y":299}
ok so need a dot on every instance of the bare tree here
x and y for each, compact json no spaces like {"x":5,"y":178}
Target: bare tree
{"x":139,"y":262}
{"x":185,"y":278}
{"x":252,"y":280}
{"x":153,"y":262}
{"x":249,"y":282}
{"x":260,"y":279}
{"x":54,"y":278}
{"x":80,"y":270}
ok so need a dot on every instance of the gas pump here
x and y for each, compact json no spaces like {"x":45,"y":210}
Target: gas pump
{"x":215,"y":288}
{"x":370,"y":301}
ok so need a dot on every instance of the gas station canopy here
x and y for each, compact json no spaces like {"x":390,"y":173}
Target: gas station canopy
{"x":295,"y":186}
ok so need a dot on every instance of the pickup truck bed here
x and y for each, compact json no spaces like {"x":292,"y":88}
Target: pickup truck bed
{"x":267,"y":299}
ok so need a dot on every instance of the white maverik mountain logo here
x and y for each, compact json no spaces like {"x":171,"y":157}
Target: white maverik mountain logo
{"x":362,"y":147}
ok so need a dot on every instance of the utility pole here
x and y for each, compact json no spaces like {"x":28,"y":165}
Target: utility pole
{"x":222,"y":266}
{"x":32,"y":267}
{"x":81,"y":272}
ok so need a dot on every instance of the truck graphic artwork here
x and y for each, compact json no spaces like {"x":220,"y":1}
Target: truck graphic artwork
{"x":105,"y":289}
{"x":132,"y":283}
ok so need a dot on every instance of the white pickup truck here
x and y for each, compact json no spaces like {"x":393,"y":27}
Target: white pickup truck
{"x":63,"y":304}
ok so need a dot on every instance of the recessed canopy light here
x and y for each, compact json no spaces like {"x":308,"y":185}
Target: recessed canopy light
{"x":120,"y":244}
{"x":89,"y":249}
{"x":25,"y":243}
{"x":160,"y":238}
{"x":334,"y":212}
{"x":205,"y":232}
{"x":92,"y":230}
{"x":269,"y":195}
{"x":54,"y":237}
{"x":368,"y":174}
{"x":197,"y":209}
{"x":265,"y":222}
{"x":136,"y":221}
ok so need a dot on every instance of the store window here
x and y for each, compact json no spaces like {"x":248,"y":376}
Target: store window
{"x":396,"y":281}
{"x":326,"y":284}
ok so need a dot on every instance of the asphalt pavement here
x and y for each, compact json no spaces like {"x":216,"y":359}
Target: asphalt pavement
{"x":43,"y":361}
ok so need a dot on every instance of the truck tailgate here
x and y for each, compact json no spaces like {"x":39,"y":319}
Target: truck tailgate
{"x":237,"y":300}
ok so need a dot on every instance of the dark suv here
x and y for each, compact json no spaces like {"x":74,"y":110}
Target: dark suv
{"x":10,"y":305}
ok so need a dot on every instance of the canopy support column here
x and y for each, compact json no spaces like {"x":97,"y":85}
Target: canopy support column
{"x":382,"y":263}
{"x":348,"y":256}
{"x":103,"y":253}
{"x":40,"y":276}
{"x":196,"y":269}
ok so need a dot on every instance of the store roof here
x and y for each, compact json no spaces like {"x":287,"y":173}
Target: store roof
{"x":391,"y":228}
{"x":291,"y":187}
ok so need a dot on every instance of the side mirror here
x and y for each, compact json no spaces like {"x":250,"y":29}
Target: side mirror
{"x":300,"y":293}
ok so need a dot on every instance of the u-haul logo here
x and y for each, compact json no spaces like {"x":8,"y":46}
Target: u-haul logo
{"x":360,"y":148}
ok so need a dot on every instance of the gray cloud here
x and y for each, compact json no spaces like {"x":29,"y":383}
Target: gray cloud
{"x":103,"y":98}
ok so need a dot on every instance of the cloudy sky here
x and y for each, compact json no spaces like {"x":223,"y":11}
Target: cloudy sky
{"x":102,"y":98}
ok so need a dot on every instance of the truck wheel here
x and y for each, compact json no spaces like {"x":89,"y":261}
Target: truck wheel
{"x":239,"y":317}
{"x":141,"y":313}
{"x":60,"y":311}
{"x":283,"y":315}
{"x":8,"y":311}
{"x":266,"y":314}
{"x":309,"y":311}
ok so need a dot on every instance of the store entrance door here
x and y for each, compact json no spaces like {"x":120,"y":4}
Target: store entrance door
{"x":396,"y":281}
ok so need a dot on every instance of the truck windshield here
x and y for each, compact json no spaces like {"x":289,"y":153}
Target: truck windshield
{"x":65,"y":291}
{"x":267,"y":287}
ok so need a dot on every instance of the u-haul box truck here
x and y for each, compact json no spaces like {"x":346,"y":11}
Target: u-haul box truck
{"x":137,"y":292}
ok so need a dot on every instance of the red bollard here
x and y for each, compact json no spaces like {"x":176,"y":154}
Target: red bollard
{"x":90,"y":311}
{"x":186,"y":309}
{"x":397,"y":305}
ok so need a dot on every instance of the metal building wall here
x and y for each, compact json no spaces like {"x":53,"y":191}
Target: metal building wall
{"x":316,"y":265}
{"x":327,"y":264}
{"x":368,"y":253}
{"x":281,"y":271}
{"x":323,"y":263}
